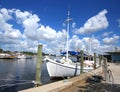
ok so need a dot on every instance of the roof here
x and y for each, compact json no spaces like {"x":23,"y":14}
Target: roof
{"x":114,"y":52}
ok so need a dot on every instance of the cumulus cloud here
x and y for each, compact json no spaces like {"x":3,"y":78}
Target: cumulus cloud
{"x":32,"y":28}
{"x":107,"y":33}
{"x":76,"y":43}
{"x":91,"y":43}
{"x":5,"y":14}
{"x":95,"y":23}
{"x":47,"y":33}
{"x":21,"y":16}
{"x":13,"y":34}
{"x":23,"y":30}
{"x":111,"y":40}
{"x":32,"y":31}
{"x":8,"y":33}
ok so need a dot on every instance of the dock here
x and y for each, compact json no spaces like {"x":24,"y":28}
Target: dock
{"x":78,"y":83}
{"x":115,"y":68}
{"x":67,"y":85}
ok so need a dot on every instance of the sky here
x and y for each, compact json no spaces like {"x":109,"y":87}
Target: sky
{"x":95,"y":25}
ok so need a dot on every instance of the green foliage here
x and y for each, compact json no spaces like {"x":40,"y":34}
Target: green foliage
{"x":1,"y":50}
{"x":24,"y":52}
{"x":28,"y":53}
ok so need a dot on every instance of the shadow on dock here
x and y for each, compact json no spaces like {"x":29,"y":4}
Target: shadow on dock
{"x":100,"y":87}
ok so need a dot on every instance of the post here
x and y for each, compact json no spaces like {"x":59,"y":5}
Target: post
{"x":81,"y":62}
{"x":100,"y":59}
{"x":38,"y":66}
{"x":94,"y":60}
{"x":105,"y":70}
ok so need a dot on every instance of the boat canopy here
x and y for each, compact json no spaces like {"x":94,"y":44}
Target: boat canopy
{"x":72,"y":53}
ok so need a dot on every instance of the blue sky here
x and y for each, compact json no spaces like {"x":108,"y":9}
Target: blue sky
{"x":24,"y":24}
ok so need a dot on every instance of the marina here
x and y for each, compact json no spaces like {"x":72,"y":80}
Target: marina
{"x":21,"y":74}
{"x":14,"y":55}
{"x":59,"y":46}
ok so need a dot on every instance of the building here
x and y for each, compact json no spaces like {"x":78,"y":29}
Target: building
{"x":115,"y":55}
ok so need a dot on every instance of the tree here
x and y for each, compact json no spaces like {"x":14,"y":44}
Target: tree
{"x":1,"y":50}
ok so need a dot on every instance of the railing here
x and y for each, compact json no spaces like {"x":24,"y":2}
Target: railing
{"x":101,"y":61}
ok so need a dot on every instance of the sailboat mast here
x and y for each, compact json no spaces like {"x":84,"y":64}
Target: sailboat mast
{"x":68,"y":29}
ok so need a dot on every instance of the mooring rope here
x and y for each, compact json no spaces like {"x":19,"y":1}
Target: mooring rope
{"x":110,"y":75}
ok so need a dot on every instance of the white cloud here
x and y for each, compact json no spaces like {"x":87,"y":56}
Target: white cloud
{"x":111,"y":40}
{"x":91,"y":44}
{"x":28,"y":45}
{"x":76,"y":43}
{"x":21,"y":16}
{"x":73,"y":25}
{"x":56,"y":41}
{"x":32,"y":28}
{"x":5,"y":14}
{"x":34,"y":33}
{"x":9,"y":34}
{"x":94,"y":24}
{"x":107,"y":33}
{"x":47,"y":33}
{"x":105,"y":48}
{"x":13,"y":34}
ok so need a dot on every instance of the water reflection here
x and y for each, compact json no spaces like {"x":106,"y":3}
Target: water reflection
{"x":14,"y":71}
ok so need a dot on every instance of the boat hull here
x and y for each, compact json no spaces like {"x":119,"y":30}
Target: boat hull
{"x":56,"y":69}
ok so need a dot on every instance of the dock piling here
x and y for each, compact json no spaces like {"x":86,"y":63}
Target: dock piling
{"x":38,"y":66}
{"x":105,"y":66}
{"x":100,"y":59}
{"x":94,"y":60}
{"x":81,"y":62}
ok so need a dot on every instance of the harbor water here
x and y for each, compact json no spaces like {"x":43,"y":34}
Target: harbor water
{"x":19,"y":74}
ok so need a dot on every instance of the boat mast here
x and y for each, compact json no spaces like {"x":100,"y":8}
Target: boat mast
{"x":68,"y":29}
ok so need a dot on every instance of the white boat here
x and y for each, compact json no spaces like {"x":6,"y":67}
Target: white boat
{"x":64,"y":67}
{"x":21,"y":56}
{"x":6,"y":56}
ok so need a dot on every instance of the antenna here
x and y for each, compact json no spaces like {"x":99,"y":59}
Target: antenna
{"x":69,"y":8}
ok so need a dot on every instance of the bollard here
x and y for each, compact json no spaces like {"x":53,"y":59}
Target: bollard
{"x":38,"y":66}
{"x":94,"y":60}
{"x":81,"y":62}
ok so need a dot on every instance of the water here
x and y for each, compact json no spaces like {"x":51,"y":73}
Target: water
{"x":18,"y":74}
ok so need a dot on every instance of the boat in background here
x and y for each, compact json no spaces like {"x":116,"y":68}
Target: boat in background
{"x":22,"y":56}
{"x":6,"y":56}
